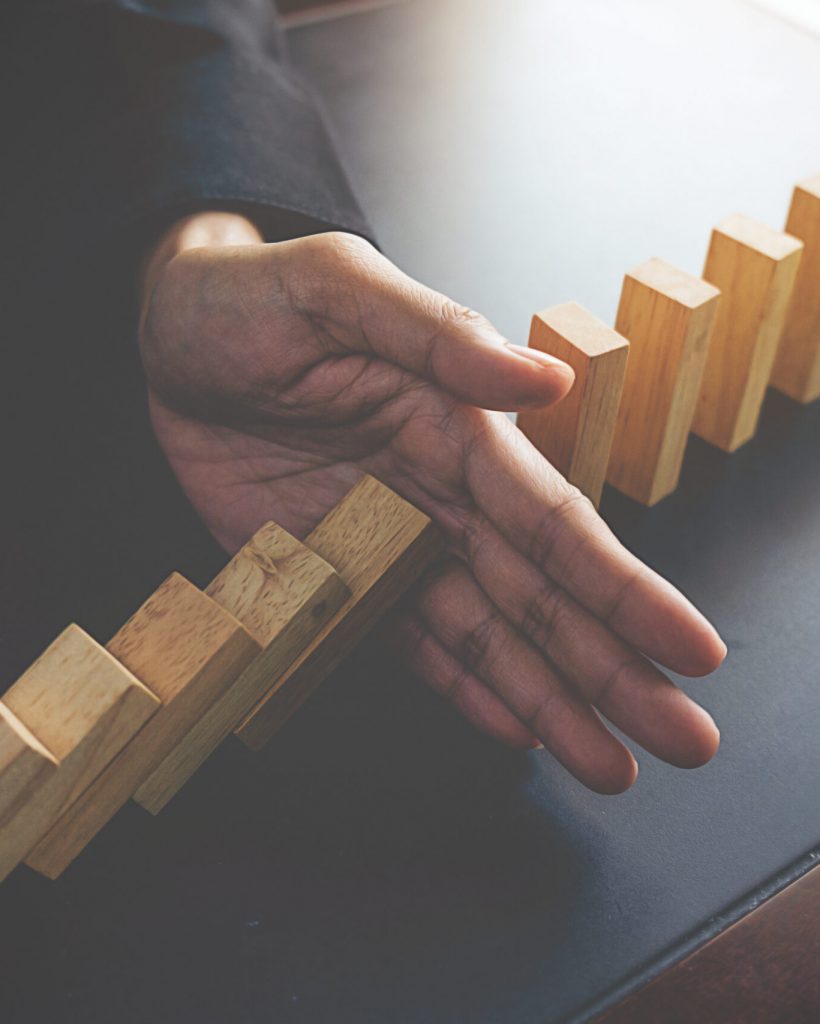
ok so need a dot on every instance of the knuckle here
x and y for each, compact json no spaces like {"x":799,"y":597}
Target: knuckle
{"x":536,"y":716}
{"x":551,"y":527}
{"x":610,"y":684}
{"x":476,"y":645}
{"x":545,"y":613}
{"x":346,"y":249}
{"x":453,"y":314}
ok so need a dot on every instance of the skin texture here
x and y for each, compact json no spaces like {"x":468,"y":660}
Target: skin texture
{"x":278,"y":374}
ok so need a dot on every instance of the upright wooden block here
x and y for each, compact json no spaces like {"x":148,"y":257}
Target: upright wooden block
{"x":575,"y":434}
{"x":83,"y":706}
{"x":25,"y":764}
{"x":667,"y":316}
{"x":379,"y":544}
{"x":797,"y":366}
{"x":755,"y":267}
{"x":187,"y":650}
{"x":283,"y":594}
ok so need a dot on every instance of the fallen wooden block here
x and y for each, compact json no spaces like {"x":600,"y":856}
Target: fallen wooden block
{"x":754,"y":267}
{"x":283,"y":594}
{"x":575,"y":434}
{"x":379,"y":544}
{"x":668,"y":317}
{"x":797,"y":365}
{"x":187,"y":650}
{"x":83,"y":706}
{"x":25,"y":765}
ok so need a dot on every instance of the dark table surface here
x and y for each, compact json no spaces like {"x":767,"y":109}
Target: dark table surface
{"x":379,"y":861}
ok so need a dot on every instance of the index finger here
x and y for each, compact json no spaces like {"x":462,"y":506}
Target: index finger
{"x":560,"y":532}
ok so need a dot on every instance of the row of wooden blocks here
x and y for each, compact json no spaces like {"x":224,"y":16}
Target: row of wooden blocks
{"x":687,"y":355}
{"x":87,"y":727}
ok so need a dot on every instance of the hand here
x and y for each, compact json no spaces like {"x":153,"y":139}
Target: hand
{"x":279,"y":374}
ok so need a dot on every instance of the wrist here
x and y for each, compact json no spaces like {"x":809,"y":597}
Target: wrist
{"x":208,"y":229}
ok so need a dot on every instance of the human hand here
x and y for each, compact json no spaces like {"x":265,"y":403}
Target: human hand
{"x":279,"y":374}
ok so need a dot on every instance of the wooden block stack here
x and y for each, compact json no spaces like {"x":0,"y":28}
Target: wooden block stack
{"x":575,"y":434}
{"x":87,"y":727}
{"x":702,"y":352}
{"x":797,"y":367}
{"x":668,"y":317}
{"x":755,"y":268}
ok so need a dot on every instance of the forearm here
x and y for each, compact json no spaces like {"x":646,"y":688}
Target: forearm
{"x":209,"y":228}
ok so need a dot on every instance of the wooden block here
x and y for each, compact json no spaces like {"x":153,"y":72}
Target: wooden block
{"x":575,"y":434}
{"x":379,"y":544}
{"x":83,"y":706}
{"x":25,"y":764}
{"x":755,"y":267}
{"x":187,"y":650}
{"x":668,"y":317}
{"x":797,"y":366}
{"x":283,"y":594}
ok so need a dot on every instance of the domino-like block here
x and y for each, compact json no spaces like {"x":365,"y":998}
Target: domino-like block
{"x":283,"y":594}
{"x":754,"y":267}
{"x":668,"y":317}
{"x":83,"y":706}
{"x":187,"y":650}
{"x":25,"y":764}
{"x":379,"y":544}
{"x":575,"y":434}
{"x":797,"y":366}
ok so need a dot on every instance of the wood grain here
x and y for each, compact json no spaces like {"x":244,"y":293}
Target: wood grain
{"x":283,"y":594}
{"x":668,"y":317}
{"x":797,"y":365}
{"x":379,"y":544}
{"x":25,"y":764}
{"x":754,"y":267}
{"x":575,"y":434}
{"x":762,"y":970}
{"x":187,"y":650}
{"x":83,"y":706}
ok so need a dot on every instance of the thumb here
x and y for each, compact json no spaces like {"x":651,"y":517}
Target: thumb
{"x":406,"y":323}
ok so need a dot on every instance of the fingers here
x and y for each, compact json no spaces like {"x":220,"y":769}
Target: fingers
{"x":450,"y":678}
{"x":460,"y":616}
{"x":363,"y":303}
{"x":628,"y":689}
{"x":560,"y":532}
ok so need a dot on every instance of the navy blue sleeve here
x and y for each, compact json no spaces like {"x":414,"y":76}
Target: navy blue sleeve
{"x":127,"y":114}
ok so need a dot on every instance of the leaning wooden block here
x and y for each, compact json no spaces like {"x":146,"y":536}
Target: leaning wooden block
{"x":754,"y":267}
{"x":379,"y":544}
{"x":797,"y":366}
{"x":84,"y":707}
{"x":25,"y":765}
{"x":668,"y":317}
{"x":187,"y":650}
{"x":283,"y":594}
{"x":575,"y":434}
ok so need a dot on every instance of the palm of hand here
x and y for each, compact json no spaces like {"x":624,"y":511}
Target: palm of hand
{"x":285,"y":374}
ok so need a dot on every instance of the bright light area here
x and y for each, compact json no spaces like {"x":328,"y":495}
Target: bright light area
{"x":801,"y":13}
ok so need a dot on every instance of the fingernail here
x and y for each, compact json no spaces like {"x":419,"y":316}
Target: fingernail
{"x":535,"y":745}
{"x":541,"y":359}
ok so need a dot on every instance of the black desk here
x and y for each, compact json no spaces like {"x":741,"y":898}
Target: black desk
{"x":379,"y":861}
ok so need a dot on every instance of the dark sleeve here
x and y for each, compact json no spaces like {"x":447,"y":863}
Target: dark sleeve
{"x":139,"y":111}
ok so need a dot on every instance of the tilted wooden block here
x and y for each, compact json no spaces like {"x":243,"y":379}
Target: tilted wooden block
{"x":83,"y":706}
{"x":668,"y":317}
{"x":755,"y":268}
{"x":575,"y":434}
{"x":797,"y":366}
{"x":25,"y":765}
{"x":187,"y":650}
{"x":379,"y":544}
{"x":283,"y":594}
